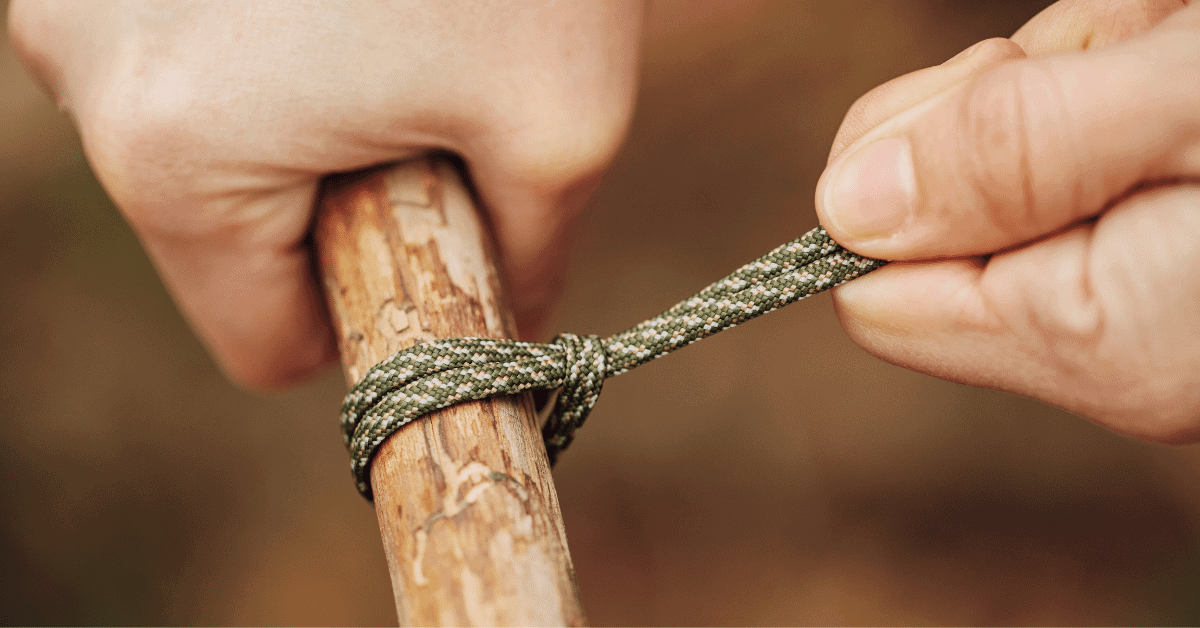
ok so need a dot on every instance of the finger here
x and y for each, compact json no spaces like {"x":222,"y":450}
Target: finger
{"x":916,"y":89}
{"x":1072,"y":25}
{"x":534,"y":225}
{"x":535,"y":184}
{"x":247,"y":285}
{"x":1020,"y":151}
{"x":1100,"y":320}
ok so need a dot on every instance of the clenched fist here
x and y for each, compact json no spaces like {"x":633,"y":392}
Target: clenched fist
{"x":211,"y":123}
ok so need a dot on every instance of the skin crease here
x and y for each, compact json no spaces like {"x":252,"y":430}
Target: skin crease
{"x":1049,"y":244}
{"x":211,"y":124}
{"x":1045,"y":250}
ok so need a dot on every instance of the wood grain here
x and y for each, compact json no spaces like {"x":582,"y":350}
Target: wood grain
{"x":467,"y":508}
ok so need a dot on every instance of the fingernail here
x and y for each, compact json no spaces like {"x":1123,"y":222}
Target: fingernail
{"x":873,"y":192}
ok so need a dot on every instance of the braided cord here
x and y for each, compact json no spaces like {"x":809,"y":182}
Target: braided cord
{"x":442,"y":373}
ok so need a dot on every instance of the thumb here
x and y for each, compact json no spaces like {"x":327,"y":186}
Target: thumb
{"x":1021,"y":150}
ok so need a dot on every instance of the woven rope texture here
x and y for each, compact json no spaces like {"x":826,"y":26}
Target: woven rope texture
{"x":441,"y":373}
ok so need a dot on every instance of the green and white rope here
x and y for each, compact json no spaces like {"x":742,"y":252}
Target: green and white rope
{"x":441,"y":373}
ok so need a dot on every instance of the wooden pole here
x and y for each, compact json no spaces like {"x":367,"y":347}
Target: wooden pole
{"x":467,"y":508}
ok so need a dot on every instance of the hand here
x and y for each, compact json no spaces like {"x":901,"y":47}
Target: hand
{"x":1043,"y":196}
{"x":211,"y":124}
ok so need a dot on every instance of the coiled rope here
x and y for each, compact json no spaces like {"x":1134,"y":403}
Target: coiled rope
{"x":441,"y":373}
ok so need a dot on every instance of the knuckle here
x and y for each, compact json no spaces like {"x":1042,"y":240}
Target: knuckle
{"x":556,"y":159}
{"x":561,"y":143}
{"x":1143,"y":393}
{"x":141,"y":135}
{"x":1126,"y":394}
{"x":998,"y":48}
{"x":1012,"y":123}
{"x":1157,"y":411}
{"x":1152,"y":393}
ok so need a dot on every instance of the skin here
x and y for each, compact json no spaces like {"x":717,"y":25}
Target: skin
{"x":211,"y":123}
{"x":1041,"y":193}
{"x":1043,"y":196}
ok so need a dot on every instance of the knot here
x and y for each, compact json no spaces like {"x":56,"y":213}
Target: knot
{"x":441,"y":373}
{"x":585,"y":367}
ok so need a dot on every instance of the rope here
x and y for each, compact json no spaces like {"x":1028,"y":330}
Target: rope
{"x":441,"y":373}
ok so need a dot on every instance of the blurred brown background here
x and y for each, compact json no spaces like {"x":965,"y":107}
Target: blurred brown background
{"x":774,"y":474}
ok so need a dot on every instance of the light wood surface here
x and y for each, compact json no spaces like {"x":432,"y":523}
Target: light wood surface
{"x":467,"y":508}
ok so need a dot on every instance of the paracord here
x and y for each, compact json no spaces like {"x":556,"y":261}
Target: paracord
{"x":440,"y":373}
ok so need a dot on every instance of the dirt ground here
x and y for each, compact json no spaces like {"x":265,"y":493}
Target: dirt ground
{"x":774,"y":474}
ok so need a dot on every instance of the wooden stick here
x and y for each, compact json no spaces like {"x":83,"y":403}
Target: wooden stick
{"x":466,"y":505}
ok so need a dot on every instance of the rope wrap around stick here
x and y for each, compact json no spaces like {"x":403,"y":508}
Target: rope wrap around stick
{"x":441,"y":373}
